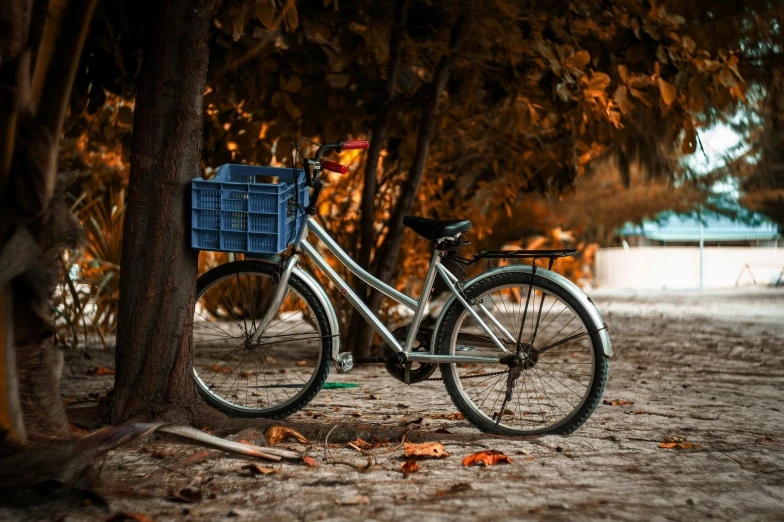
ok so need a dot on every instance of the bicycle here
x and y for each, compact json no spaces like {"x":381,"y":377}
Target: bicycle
{"x":266,"y":333}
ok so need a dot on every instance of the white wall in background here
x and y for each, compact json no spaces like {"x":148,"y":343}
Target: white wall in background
{"x":679,"y":267}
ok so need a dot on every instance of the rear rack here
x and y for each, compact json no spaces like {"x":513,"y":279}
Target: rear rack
{"x":552,"y":255}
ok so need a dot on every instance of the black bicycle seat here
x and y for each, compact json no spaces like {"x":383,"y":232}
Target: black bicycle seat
{"x":434,"y":229}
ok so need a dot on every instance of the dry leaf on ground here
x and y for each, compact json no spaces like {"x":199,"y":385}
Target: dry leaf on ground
{"x":310,"y":462}
{"x":426,"y":449}
{"x":255,"y":469}
{"x":616,"y":402}
{"x":278,"y":434}
{"x":104,"y":371}
{"x":128,"y":517}
{"x":355,"y":501}
{"x":679,"y":445}
{"x":409,"y":466}
{"x":447,"y":416}
{"x":190,"y":494}
{"x":487,"y":458}
{"x":362,"y":444}
{"x":457,"y":488}
{"x":219,"y":369}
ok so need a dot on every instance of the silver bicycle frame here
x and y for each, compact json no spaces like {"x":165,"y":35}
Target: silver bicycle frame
{"x":418,"y":307}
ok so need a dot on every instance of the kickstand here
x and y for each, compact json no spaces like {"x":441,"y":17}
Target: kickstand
{"x":408,"y":373}
{"x":510,"y":382}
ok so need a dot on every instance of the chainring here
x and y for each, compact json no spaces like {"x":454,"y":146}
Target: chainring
{"x":418,"y":371}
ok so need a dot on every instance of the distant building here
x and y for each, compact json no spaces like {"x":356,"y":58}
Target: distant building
{"x":665,"y":254}
{"x":717,"y":230}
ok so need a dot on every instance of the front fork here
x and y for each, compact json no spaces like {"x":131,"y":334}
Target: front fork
{"x":271,"y":302}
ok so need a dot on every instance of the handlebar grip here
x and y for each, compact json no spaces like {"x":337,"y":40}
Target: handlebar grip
{"x":334,"y":167}
{"x":355,"y":144}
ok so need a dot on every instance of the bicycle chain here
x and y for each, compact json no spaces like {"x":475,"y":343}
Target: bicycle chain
{"x":471,"y":376}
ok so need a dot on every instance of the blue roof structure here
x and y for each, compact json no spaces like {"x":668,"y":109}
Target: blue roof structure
{"x":716,"y":227}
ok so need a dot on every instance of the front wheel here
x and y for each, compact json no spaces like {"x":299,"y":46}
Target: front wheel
{"x":282,"y":370}
{"x":563,"y":368}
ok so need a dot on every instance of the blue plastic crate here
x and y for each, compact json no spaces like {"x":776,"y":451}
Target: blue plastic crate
{"x":233,"y":212}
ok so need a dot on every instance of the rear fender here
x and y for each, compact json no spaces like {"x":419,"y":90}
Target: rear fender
{"x":570,"y":287}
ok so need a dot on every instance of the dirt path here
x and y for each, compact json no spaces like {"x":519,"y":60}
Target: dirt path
{"x":705,"y":368}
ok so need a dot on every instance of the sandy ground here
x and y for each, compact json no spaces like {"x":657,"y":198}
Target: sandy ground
{"x":700,"y":367}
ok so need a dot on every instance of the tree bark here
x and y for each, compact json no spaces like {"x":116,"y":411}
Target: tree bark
{"x":159,"y":269}
{"x":36,"y":225}
{"x":378,"y":138}
{"x":386,"y":258}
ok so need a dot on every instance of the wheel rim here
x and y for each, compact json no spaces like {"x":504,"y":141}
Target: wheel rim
{"x":268,"y":375}
{"x":550,"y":391}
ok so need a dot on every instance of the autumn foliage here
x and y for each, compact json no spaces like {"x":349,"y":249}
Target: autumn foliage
{"x":541,"y":106}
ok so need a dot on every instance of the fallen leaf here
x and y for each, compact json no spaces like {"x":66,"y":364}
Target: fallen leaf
{"x":616,"y":402}
{"x":219,"y":369}
{"x":356,"y":414}
{"x":507,"y":412}
{"x":764,"y":440}
{"x":360,"y":444}
{"x":278,"y":434}
{"x":128,"y":517}
{"x":679,"y":445}
{"x":486,"y":458}
{"x":355,"y":501}
{"x":190,"y":494}
{"x":447,"y":416}
{"x":426,"y":449}
{"x":409,"y":466}
{"x":443,"y":430}
{"x":638,"y":412}
{"x":457,"y":488}
{"x":104,"y":371}
{"x":247,"y":374}
{"x":310,"y":462}
{"x":255,"y":469}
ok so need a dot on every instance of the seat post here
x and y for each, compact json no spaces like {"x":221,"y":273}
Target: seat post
{"x":424,"y":297}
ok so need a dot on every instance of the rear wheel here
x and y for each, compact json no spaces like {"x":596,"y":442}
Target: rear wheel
{"x":562,"y":371}
{"x":282,"y":370}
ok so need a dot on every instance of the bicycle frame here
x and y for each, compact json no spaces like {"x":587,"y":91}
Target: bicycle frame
{"x":417,"y":306}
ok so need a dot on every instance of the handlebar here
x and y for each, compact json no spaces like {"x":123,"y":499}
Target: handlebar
{"x":334,"y":167}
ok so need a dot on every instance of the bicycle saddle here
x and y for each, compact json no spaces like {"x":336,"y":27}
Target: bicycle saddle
{"x":434,"y":229}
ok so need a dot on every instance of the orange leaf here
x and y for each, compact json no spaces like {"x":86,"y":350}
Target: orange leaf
{"x":486,"y":458}
{"x":278,"y":434}
{"x":409,"y":466}
{"x":617,"y":402}
{"x":668,"y":91}
{"x":128,"y":517}
{"x":426,"y":449}
{"x":104,"y":371}
{"x":310,"y":462}
{"x":255,"y":469}
{"x":219,"y":369}
{"x":668,"y":445}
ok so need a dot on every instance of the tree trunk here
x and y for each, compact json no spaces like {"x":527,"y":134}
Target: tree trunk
{"x":386,"y":258}
{"x":159,"y":269}
{"x":378,"y":138}
{"x":36,"y":224}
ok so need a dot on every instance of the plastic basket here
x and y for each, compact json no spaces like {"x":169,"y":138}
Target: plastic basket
{"x":234,"y":213}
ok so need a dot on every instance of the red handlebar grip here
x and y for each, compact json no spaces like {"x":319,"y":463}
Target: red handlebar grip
{"x":355,"y":144}
{"x":334,"y":167}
